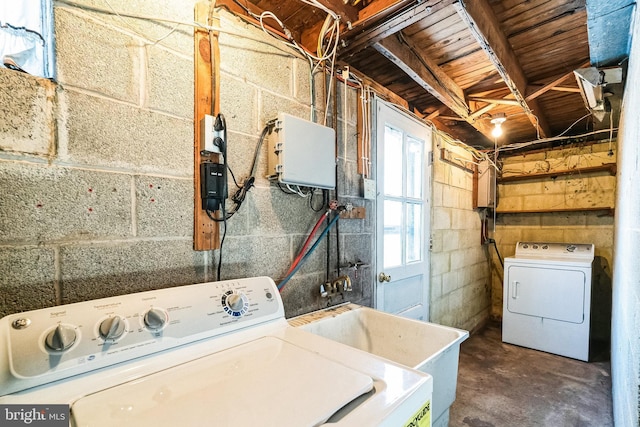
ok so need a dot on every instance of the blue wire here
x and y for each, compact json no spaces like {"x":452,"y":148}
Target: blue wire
{"x":324,"y":233}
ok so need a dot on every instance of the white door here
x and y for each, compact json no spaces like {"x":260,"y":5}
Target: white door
{"x":403,"y":182}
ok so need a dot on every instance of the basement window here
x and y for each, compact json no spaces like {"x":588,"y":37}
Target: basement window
{"x":26,"y":36}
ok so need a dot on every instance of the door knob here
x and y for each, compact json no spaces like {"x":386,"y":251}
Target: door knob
{"x":384,"y":278}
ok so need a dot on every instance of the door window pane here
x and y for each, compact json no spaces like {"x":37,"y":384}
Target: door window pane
{"x":392,"y":161}
{"x":415,"y":165}
{"x":392,"y":233}
{"x":414,"y":232}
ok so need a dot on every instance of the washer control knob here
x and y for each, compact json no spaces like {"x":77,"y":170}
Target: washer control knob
{"x":235,"y":303}
{"x":61,"y":338}
{"x":155,"y":319}
{"x":112,"y":328}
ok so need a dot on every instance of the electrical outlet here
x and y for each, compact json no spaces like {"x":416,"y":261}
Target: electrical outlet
{"x":369,"y":189}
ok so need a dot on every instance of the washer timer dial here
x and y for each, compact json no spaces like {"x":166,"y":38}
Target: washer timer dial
{"x":61,"y":338}
{"x":234,"y":303}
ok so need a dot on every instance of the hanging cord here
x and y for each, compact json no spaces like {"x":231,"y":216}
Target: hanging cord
{"x":240,"y":195}
{"x":495,"y":246}
{"x":334,"y":120}
{"x":306,"y":256}
{"x":224,"y":234}
{"x":221,"y":124}
{"x":328,"y":255}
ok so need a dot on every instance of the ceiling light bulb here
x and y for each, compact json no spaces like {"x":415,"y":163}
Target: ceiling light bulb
{"x":496,"y":131}
{"x":497,"y":120}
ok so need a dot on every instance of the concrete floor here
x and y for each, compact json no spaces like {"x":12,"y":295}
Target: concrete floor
{"x":506,"y":385}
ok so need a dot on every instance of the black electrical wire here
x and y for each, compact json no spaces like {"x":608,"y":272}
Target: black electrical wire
{"x":328,"y":251}
{"x":240,"y":195}
{"x":321,"y":208}
{"x":497,"y":252}
{"x":224,"y":234}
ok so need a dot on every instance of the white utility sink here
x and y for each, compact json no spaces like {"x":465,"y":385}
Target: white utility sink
{"x":427,"y":347}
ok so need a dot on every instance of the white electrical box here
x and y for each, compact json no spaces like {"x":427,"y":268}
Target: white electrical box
{"x":486,"y":185}
{"x":302,"y":153}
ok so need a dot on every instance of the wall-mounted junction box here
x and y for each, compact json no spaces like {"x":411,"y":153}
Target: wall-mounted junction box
{"x":486,"y":195}
{"x":302,"y":153}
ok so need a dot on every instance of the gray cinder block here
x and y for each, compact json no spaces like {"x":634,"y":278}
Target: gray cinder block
{"x":169,"y":82}
{"x":43,"y":203}
{"x":111,"y":134}
{"x":27,"y":278}
{"x":95,"y":57}
{"x":103,"y":270}
{"x":164,"y":206}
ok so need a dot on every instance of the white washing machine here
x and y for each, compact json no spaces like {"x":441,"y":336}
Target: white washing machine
{"x":547,"y":298}
{"x":213,"y":354}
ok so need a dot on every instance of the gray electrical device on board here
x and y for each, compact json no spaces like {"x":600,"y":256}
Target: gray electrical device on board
{"x":302,"y":153}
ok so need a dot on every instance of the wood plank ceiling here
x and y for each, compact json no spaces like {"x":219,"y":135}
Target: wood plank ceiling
{"x":459,"y":63}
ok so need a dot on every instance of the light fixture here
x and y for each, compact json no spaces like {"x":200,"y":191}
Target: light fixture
{"x":497,"y":120}
{"x":592,"y":82}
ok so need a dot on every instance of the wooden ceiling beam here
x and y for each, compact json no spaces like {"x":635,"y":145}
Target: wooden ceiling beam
{"x":378,"y":9}
{"x":345,"y":11}
{"x":566,"y":89}
{"x":480,"y":111}
{"x":429,"y":76}
{"x":389,"y":27}
{"x":425,"y":72}
{"x":484,"y":26}
{"x":234,"y":8}
{"x":534,"y":93}
{"x":495,"y":101}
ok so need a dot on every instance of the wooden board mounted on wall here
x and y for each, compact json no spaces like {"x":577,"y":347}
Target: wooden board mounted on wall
{"x":206,"y":234}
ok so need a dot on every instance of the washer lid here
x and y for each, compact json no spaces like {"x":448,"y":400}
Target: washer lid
{"x":266,"y":382}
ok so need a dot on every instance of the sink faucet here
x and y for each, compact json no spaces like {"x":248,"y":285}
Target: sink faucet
{"x":338,"y":286}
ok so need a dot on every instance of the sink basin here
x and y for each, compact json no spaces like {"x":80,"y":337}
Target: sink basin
{"x":427,"y":347}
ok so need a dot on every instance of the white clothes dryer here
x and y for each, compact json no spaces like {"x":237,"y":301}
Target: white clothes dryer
{"x":547,"y":298}
{"x":212,"y":354}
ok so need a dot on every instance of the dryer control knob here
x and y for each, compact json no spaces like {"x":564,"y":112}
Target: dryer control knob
{"x":61,"y":338}
{"x":155,"y":319}
{"x":112,"y":328}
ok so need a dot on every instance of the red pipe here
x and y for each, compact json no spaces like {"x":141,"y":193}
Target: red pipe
{"x":306,"y":243}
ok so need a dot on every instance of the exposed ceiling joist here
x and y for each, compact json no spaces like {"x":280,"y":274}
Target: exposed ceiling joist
{"x":534,"y":93}
{"x":398,"y":23}
{"x":425,"y":72}
{"x":479,"y":112}
{"x":495,"y":101}
{"x":433,"y":118}
{"x":484,"y":26}
{"x":345,"y":11}
{"x":428,"y":74}
{"x":566,"y":89}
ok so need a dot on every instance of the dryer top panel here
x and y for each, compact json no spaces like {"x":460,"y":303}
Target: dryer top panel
{"x":556,"y":251}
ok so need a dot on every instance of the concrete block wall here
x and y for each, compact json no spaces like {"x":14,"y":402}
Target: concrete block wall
{"x":625,"y":345}
{"x":460,"y":276}
{"x":573,"y":191}
{"x":96,"y":170}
